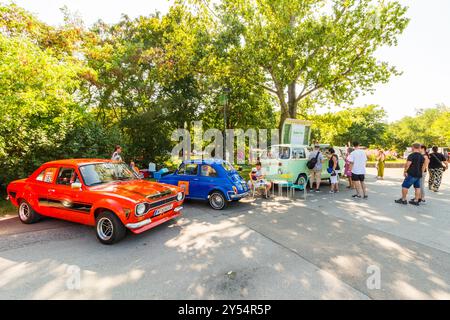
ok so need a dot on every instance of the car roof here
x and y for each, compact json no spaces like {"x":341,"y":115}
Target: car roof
{"x":204,"y":161}
{"x":77,"y":162}
{"x":290,"y":145}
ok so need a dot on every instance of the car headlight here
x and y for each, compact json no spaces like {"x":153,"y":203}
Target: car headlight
{"x":140,"y":209}
{"x":180,"y":196}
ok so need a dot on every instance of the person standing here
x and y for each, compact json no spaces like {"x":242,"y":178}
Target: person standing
{"x":436,"y":167}
{"x":424,"y":152}
{"x":316,"y":171}
{"x":334,"y":170}
{"x":413,"y":171}
{"x":358,"y":160}
{"x":347,"y":170}
{"x":116,"y":154}
{"x":381,"y":159}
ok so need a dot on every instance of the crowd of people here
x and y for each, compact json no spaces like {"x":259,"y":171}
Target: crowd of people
{"x":419,"y":164}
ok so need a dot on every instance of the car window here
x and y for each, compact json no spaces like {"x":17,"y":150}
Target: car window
{"x":67,"y":176}
{"x":190,"y":169}
{"x":298,"y":153}
{"x":227,"y":166}
{"x":47,"y":175}
{"x":208,"y":171}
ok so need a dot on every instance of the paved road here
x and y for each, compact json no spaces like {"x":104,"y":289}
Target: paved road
{"x":324,"y":247}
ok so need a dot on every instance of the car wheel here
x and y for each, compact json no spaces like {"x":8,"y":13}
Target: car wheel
{"x":217,"y":200}
{"x":109,"y":228}
{"x":26,"y":214}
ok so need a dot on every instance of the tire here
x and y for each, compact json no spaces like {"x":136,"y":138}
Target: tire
{"x":26,"y":213}
{"x":217,"y":200}
{"x":108,"y":228}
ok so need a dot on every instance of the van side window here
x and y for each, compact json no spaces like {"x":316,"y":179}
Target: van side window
{"x":298,"y":153}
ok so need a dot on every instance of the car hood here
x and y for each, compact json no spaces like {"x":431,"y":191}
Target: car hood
{"x":137,"y":190}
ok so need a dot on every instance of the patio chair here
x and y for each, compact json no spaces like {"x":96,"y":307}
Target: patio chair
{"x":300,"y":184}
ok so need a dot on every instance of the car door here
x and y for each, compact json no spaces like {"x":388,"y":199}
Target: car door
{"x":41,"y":186}
{"x":187,"y":177}
{"x":66,"y":202}
{"x":207,"y":180}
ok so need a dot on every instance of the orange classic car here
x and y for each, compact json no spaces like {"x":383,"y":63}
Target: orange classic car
{"x":96,"y":192}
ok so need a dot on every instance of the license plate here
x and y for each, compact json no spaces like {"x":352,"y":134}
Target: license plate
{"x":163,"y":209}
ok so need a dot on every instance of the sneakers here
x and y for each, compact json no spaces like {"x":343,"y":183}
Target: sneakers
{"x":356,"y":196}
{"x":414,"y":202}
{"x":401,"y":201}
{"x":317,"y":190}
{"x":366,"y":197}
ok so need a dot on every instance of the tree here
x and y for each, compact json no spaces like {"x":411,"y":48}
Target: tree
{"x":367,"y":125}
{"x":429,"y":126}
{"x":323,"y":50}
{"x":37,"y":108}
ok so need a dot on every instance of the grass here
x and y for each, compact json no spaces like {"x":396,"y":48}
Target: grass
{"x":6,"y":208}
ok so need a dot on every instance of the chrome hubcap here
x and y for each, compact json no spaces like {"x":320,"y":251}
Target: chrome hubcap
{"x":105,"y":229}
{"x":24,"y":211}
{"x":217,"y":201}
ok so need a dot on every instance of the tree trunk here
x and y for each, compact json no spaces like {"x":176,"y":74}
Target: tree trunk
{"x":289,"y":108}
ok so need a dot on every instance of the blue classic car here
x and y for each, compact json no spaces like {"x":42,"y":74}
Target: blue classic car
{"x":213,"y":180}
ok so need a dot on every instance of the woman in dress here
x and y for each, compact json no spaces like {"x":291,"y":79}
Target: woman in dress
{"x":381,"y":158}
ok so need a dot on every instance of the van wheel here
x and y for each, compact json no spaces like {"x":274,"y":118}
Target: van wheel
{"x":109,"y":228}
{"x":26,"y":214}
{"x":217,"y":200}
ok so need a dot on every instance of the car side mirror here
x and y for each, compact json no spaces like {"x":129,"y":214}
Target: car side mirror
{"x":76,"y":186}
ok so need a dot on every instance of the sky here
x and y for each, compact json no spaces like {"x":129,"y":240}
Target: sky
{"x":422,"y":54}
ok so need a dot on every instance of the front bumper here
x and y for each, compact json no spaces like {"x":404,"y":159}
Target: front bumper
{"x":148,"y":223}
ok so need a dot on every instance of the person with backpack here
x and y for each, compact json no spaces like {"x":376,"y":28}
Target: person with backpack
{"x":334,"y":170}
{"x":314,"y":165}
{"x":436,"y":167}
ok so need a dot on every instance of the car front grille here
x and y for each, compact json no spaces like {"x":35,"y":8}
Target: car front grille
{"x":161,"y":202}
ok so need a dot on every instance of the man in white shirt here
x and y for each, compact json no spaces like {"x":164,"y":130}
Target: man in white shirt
{"x":358,"y":159}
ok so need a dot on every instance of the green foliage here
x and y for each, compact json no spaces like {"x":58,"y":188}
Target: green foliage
{"x":365,"y":124}
{"x":430,"y":127}
{"x":322,"y":50}
{"x":36,"y":104}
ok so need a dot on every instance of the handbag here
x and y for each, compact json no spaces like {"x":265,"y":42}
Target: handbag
{"x":440,"y":162}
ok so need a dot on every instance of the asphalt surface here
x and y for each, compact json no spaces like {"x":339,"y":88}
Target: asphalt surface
{"x":325,"y":247}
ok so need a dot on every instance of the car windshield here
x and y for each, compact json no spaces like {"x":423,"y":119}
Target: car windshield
{"x":99,"y":173}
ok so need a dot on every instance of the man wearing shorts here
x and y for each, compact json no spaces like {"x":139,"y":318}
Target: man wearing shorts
{"x":413,"y":171}
{"x":316,"y":172}
{"x":358,"y":159}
